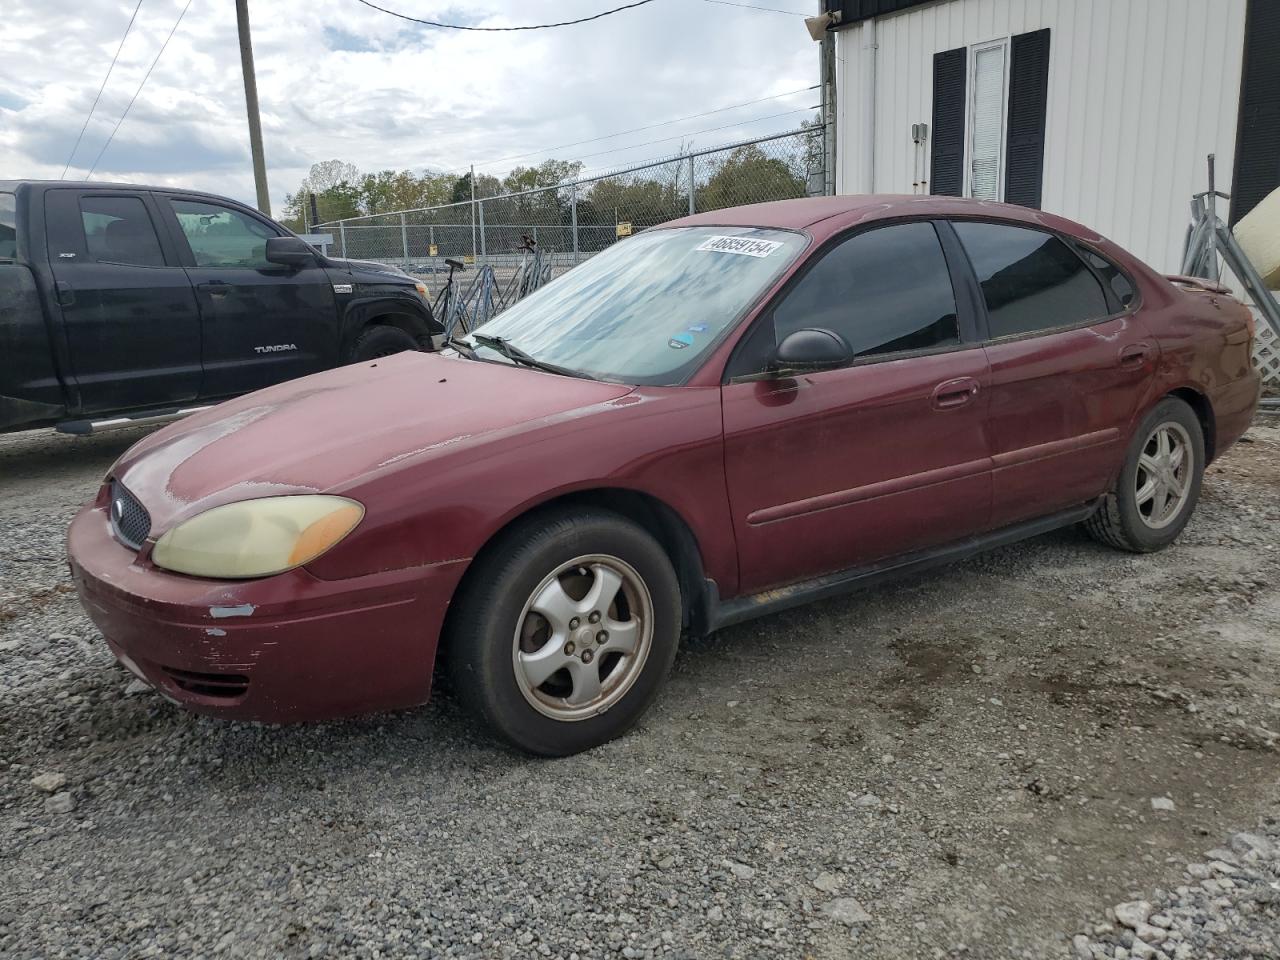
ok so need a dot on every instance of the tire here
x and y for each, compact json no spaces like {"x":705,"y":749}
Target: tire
{"x":1125,"y":520}
{"x":380,"y":340}
{"x":500,"y":646}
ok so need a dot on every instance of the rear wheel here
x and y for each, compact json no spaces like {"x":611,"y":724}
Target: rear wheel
{"x":565,"y":631}
{"x":380,"y":340}
{"x":1159,"y":485}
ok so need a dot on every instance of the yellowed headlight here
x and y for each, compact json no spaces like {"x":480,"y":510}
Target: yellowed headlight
{"x":257,"y":538}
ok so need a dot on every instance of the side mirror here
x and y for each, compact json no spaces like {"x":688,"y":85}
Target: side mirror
{"x":812,"y":348}
{"x":289,"y":252}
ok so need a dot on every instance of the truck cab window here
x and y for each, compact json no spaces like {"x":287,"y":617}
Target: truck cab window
{"x":119,"y":230}
{"x":222,"y":237}
{"x":8,"y":227}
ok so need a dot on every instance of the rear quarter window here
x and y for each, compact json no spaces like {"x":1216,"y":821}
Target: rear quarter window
{"x":1113,"y":276}
{"x":8,"y":226}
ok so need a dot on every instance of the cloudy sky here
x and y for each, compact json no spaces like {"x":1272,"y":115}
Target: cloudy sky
{"x":337,"y":79}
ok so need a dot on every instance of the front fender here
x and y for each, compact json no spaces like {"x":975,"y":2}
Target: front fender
{"x":404,"y":310}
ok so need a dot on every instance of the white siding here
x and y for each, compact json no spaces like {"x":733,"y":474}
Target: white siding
{"x":1140,"y":91}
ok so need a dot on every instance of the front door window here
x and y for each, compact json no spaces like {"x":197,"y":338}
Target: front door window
{"x":222,"y":237}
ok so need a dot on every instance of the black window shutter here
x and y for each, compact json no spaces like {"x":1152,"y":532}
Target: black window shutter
{"x":947,"y":144}
{"x":1257,"y":170}
{"x":1028,"y":101}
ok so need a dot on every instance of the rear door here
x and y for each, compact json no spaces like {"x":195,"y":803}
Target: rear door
{"x":838,"y":469}
{"x":1069,"y":361}
{"x":261,"y":323}
{"x":128,"y":311}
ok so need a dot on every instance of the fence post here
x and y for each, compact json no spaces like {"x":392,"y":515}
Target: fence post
{"x":431,"y":237}
{"x":342,"y":235}
{"x":404,"y":237}
{"x":573,"y":218}
{"x":483,"y":249}
{"x":473,"y":209}
{"x":692,"y":191}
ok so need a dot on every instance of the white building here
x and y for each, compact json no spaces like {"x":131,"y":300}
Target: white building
{"x":1100,"y":110}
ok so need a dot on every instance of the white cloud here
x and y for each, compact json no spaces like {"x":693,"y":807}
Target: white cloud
{"x":337,"y":79}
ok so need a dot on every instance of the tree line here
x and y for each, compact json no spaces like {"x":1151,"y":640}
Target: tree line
{"x":747,"y":174}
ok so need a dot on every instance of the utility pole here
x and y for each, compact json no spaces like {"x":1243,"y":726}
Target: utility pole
{"x":251,"y":102}
{"x":827,"y":67}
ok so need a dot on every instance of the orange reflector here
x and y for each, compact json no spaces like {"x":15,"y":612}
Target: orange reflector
{"x":324,"y":533}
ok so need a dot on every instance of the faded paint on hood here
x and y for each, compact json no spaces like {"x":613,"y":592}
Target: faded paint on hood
{"x":324,"y":431}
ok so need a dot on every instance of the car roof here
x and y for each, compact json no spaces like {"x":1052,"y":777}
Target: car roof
{"x":823,"y":215}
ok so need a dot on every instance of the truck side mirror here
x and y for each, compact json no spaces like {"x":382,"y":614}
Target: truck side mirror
{"x":289,"y":252}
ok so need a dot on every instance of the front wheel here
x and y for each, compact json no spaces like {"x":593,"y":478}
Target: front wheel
{"x":1159,"y":485}
{"x":380,"y":340}
{"x":565,"y":631}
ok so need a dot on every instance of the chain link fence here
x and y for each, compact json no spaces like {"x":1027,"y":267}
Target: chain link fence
{"x":571,"y":221}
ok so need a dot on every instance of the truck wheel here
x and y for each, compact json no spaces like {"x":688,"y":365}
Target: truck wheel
{"x":379,"y":340}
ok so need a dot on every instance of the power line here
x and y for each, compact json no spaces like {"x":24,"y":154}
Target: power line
{"x":535,"y":26}
{"x":139,"y":90}
{"x":652,"y":126}
{"x":94,"y":106}
{"x":752,"y":6}
{"x":698,"y":133}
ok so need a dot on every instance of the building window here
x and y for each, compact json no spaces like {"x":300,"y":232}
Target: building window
{"x":995,"y":96}
{"x":986,"y":121}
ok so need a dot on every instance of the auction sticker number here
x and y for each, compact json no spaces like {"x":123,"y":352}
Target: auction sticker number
{"x":741,"y":245}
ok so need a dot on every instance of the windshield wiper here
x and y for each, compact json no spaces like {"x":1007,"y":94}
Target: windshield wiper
{"x":516,"y":355}
{"x":464,"y":349}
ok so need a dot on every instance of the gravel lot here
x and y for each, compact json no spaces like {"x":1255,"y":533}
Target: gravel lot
{"x":1051,"y":751}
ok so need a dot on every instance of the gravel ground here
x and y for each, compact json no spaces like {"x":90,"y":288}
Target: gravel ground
{"x":1031,"y":754}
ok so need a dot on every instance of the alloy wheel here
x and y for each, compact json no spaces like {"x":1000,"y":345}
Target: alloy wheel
{"x":583,"y":637}
{"x":1162,"y":483}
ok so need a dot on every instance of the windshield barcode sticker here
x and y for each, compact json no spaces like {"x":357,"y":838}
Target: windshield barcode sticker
{"x":743,"y":245}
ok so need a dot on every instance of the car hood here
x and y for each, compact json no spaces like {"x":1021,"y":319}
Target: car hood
{"x":324,"y":432}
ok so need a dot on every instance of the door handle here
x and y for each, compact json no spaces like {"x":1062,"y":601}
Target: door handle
{"x":954,"y":393}
{"x":215,"y":288}
{"x":1135,"y":356}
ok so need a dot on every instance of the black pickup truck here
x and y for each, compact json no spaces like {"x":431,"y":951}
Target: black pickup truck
{"x":121,"y":304}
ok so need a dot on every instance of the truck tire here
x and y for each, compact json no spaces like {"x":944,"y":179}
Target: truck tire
{"x":379,"y":340}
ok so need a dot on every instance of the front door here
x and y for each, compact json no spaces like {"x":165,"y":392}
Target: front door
{"x":1069,"y":364}
{"x":129,"y":315}
{"x":262,"y":323}
{"x":832,"y":470}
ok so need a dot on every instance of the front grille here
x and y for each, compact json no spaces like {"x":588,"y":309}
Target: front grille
{"x":225,"y":686}
{"x":130,"y":521}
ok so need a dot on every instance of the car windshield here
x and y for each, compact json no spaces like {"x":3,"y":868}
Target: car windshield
{"x":648,"y":309}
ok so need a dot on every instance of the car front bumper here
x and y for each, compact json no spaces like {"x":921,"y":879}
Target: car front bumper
{"x":286,"y":648}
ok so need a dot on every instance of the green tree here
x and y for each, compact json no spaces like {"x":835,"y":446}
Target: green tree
{"x":749,"y":175}
{"x":334,"y":182}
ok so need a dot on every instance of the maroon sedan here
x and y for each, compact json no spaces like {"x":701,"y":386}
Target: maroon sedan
{"x":716,"y":419}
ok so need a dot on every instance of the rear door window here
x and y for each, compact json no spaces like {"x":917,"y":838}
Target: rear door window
{"x":1031,"y":280}
{"x":119,"y":230}
{"x":222,"y":237}
{"x":885,"y":291}
{"x":8,"y":227}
